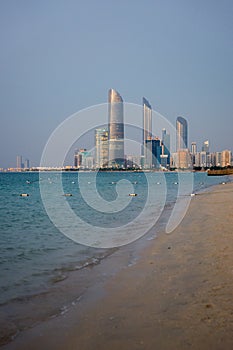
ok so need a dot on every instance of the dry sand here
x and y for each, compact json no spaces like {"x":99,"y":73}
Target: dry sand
{"x":178,"y":295}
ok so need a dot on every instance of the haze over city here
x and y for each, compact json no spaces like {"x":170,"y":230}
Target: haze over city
{"x":59,"y":57}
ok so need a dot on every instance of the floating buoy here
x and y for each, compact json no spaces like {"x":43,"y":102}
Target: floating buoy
{"x":133,"y":194}
{"x":68,"y":194}
{"x":24,"y":195}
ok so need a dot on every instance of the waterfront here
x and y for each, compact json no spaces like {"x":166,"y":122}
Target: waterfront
{"x":37,"y":261}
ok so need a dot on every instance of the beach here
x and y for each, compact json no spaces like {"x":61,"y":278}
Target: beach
{"x":177,"y":294}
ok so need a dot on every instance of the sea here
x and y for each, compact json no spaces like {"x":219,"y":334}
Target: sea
{"x":35,"y":253}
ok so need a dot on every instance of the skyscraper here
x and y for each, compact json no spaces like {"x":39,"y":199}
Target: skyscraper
{"x":181,"y":134}
{"x":193,"y":148}
{"x":147,"y":122}
{"x":206,"y":146}
{"x":19,"y":162}
{"x":101,"y":148}
{"x":26,"y":164}
{"x":152,"y":154}
{"x":115,"y":129}
{"x":166,"y":145}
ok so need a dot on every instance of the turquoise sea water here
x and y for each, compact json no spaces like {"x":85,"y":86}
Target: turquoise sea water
{"x":33,"y":252}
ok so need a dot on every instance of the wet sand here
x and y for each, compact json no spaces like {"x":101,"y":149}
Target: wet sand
{"x":177,"y":295}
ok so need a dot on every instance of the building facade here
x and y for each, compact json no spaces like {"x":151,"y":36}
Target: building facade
{"x":153,"y":152}
{"x":166,"y":146}
{"x":101,"y":148}
{"x":115,"y":129}
{"x":19,"y":162}
{"x":147,"y":123}
{"x":181,"y":134}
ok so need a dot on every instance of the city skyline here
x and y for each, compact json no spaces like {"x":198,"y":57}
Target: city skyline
{"x":155,"y":152}
{"x":177,"y":54}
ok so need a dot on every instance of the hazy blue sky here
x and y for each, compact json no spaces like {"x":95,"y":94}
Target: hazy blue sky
{"x":60,"y":56}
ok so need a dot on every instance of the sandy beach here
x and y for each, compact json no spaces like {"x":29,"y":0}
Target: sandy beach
{"x":177,"y":295}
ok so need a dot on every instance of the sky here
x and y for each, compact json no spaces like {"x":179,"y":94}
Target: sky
{"x":58,"y":57}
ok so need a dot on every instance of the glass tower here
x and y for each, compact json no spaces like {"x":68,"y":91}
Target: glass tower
{"x":147,"y":123}
{"x":101,"y":148}
{"x":115,"y":129}
{"x":181,"y":134}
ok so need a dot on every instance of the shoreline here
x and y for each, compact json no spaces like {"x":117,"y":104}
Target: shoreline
{"x":176,"y":294}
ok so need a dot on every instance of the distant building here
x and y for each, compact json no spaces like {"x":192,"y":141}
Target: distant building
{"x":147,"y":123}
{"x":152,"y":154}
{"x":203,"y":159}
{"x":26,"y":164}
{"x":182,"y":159}
{"x":101,"y":148}
{"x":164,"y":161}
{"x":193,"y":148}
{"x":181,"y":134}
{"x":226,"y":158}
{"x":193,"y":153}
{"x":115,"y":129}
{"x":166,"y":145}
{"x":218,"y":159}
{"x":133,"y":162}
{"x":19,"y":162}
{"x":206,"y":147}
{"x":83,"y":159}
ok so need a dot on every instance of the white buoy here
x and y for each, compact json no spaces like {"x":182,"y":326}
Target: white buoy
{"x":24,"y":195}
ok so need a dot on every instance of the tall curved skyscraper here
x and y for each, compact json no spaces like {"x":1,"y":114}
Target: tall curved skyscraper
{"x":115,"y":129}
{"x":147,"y":122}
{"x":181,"y":134}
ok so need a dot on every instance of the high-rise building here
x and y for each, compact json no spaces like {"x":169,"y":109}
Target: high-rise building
{"x":226,"y":158}
{"x":26,"y":164}
{"x":206,"y":147}
{"x":19,"y":162}
{"x":194,"y":153}
{"x":101,"y":148}
{"x":166,"y":145}
{"x":181,"y":134}
{"x":147,"y":122}
{"x":152,"y":154}
{"x":115,"y":129}
{"x":218,"y":159}
{"x":193,"y":148}
{"x":80,"y":158}
{"x":182,"y":159}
